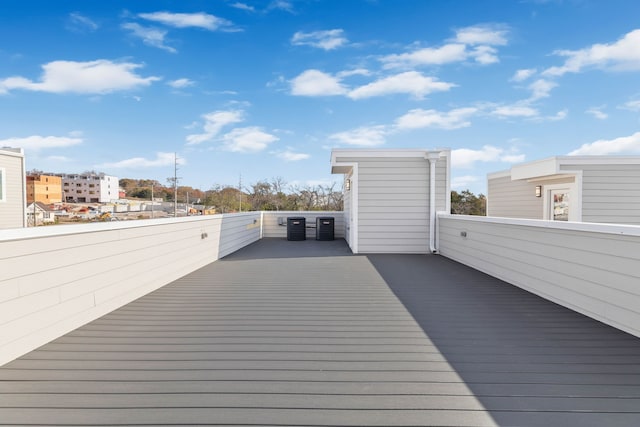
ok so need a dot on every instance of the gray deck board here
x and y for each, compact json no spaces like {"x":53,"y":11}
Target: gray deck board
{"x":304,"y":333}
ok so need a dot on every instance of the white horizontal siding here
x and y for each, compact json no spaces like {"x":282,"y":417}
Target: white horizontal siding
{"x":610,"y":193}
{"x":12,"y":210}
{"x":592,"y":269}
{"x":404,"y":231}
{"x":53,"y":280}
{"x":513,"y":199}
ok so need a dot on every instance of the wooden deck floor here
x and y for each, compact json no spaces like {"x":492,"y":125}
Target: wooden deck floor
{"x":304,"y":333}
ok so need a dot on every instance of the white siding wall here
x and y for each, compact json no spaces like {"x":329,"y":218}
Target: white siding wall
{"x":442,"y":173}
{"x":12,"y":208}
{"x":55,"y":279}
{"x":610,"y":193}
{"x":513,"y":199}
{"x":270,"y":227}
{"x":590,"y":268}
{"x":393,"y":205}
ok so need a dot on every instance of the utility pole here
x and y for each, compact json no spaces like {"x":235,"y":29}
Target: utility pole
{"x":240,"y":192}
{"x":175,"y":185}
{"x":152,"y":201}
{"x":174,"y":180}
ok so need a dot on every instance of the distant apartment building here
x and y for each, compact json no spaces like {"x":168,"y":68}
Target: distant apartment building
{"x":89,"y":188}
{"x":45,"y":189}
{"x":13,"y":200}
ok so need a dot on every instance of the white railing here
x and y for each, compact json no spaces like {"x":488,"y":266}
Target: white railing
{"x":593,"y":269}
{"x":55,"y":279}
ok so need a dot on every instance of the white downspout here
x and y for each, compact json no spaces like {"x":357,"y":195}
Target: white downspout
{"x":432,"y":157}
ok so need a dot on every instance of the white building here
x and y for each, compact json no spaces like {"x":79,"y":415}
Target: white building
{"x":89,"y":188}
{"x":391,"y":197}
{"x":604,"y":189}
{"x":13,"y":193}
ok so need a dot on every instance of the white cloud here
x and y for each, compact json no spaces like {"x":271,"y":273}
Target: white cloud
{"x":214,"y":122}
{"x":290,"y":156}
{"x":524,"y":74}
{"x":419,"y":118}
{"x":512,"y":158}
{"x":150,"y":36}
{"x":427,"y":56}
{"x":243,"y":6}
{"x":354,"y":72}
{"x":281,"y":5}
{"x":597,"y":113}
{"x":247,"y":140}
{"x":80,"y":23}
{"x":466,"y":157}
{"x":316,"y":83}
{"x":482,"y":35}
{"x":327,"y":40}
{"x":366,"y":136}
{"x":484,"y":55}
{"x":162,"y":159}
{"x":181,"y":83}
{"x":623,"y":145}
{"x":38,"y":142}
{"x":631,"y":105}
{"x":463,"y":182}
{"x":475,"y":42}
{"x":187,"y":20}
{"x":93,"y":77}
{"x":560,"y":115}
{"x":515,"y":110}
{"x":541,"y":88}
{"x":411,"y":82}
{"x":622,"y":55}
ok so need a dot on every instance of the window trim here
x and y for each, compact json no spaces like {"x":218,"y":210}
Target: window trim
{"x":3,"y":185}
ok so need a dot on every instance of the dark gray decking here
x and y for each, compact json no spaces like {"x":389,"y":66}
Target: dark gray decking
{"x":304,"y":333}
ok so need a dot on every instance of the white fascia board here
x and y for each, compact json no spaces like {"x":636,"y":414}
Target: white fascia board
{"x":499,"y":174}
{"x":12,"y":152}
{"x":381,"y":152}
{"x":598,"y":160}
{"x":535,"y":169}
{"x":552,"y":166}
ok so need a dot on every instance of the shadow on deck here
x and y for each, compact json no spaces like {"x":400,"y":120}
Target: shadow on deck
{"x":305,"y":333}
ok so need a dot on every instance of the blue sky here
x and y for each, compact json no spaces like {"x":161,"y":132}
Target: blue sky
{"x":266,"y":88}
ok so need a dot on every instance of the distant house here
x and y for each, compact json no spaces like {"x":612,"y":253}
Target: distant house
{"x":603,"y":189}
{"x":44,"y":188}
{"x":391,"y":197}
{"x":12,"y":188}
{"x":43,"y":214}
{"x":89,"y":188}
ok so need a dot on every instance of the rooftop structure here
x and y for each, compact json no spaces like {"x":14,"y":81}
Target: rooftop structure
{"x":13,"y":199}
{"x":413,"y":184}
{"x":603,"y":189}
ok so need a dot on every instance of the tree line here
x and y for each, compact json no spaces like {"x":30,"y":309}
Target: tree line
{"x":274,"y":194}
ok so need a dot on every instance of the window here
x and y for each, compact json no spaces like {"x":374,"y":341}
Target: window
{"x":2,"y":186}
